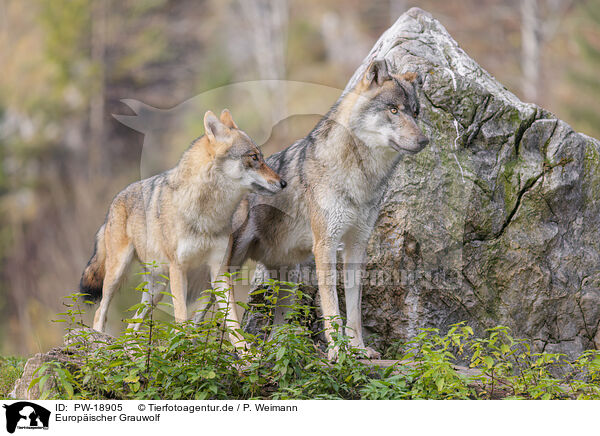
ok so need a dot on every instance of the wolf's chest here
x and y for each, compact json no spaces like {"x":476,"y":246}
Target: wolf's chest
{"x":200,"y":250}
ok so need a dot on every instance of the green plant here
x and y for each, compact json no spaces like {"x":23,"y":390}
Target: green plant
{"x":391,"y":387}
{"x":429,"y":372}
{"x":11,"y":369}
{"x":55,"y":382}
{"x":509,"y":365}
{"x":164,"y":360}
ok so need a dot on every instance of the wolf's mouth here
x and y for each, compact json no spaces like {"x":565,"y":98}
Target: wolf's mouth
{"x":260,"y":189}
{"x":399,"y":148}
{"x":395,"y":145}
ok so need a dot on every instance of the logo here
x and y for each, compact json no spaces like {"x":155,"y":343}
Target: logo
{"x":26,"y":415}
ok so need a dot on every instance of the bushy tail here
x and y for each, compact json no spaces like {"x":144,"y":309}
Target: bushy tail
{"x":93,"y":274}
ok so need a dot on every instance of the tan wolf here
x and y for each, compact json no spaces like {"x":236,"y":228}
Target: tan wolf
{"x":179,"y":219}
{"x":337,"y":177}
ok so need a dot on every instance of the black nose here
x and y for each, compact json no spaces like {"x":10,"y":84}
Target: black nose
{"x":282,"y":183}
{"x":423,"y":141}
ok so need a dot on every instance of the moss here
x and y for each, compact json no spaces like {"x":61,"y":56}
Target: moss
{"x":515,"y":118}
{"x":439,"y":120}
{"x":591,"y":171}
{"x":509,"y":177}
{"x":592,"y":160}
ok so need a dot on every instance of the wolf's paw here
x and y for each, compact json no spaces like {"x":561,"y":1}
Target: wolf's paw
{"x":241,"y":347}
{"x":243,"y":353}
{"x":332,"y":354}
{"x":371,"y":353}
{"x":365,"y":352}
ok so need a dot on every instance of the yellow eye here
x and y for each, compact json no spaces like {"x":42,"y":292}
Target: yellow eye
{"x":255,"y":157}
{"x":394,"y":110}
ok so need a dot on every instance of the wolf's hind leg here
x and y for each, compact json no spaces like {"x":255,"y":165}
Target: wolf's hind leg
{"x":117,"y":261}
{"x":285,"y":299}
{"x":150,"y":298}
{"x":200,"y":314}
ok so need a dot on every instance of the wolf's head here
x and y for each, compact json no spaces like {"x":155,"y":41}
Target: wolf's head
{"x":386,"y":110}
{"x":238,"y":157}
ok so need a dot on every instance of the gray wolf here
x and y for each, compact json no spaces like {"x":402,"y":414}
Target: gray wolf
{"x":179,"y":219}
{"x":337,"y":177}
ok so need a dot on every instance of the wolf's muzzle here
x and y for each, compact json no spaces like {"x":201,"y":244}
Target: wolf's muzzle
{"x":423,"y":141}
{"x":270,"y":189}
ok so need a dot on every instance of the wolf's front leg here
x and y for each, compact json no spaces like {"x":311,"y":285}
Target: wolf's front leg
{"x":324,"y":250}
{"x":355,"y":243}
{"x":178,"y":282}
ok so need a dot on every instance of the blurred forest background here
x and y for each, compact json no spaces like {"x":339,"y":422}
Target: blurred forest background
{"x":66,"y":66}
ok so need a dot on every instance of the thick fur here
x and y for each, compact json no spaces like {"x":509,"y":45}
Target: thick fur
{"x":93,"y":274}
{"x":337,"y":177}
{"x":179,"y":219}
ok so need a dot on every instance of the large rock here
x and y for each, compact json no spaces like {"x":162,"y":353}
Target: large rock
{"x":497,"y":221}
{"x":77,"y":343}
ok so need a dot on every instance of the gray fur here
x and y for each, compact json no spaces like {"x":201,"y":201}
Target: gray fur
{"x":337,"y":176}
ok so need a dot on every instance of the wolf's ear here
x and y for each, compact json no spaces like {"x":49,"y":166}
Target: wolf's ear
{"x":376,"y":73}
{"x":215,"y":130}
{"x":227,"y":119}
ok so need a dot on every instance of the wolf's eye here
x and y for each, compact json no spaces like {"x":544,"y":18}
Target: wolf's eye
{"x":394,"y":110}
{"x":254,"y":157}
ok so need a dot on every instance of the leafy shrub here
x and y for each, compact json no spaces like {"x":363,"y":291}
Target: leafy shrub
{"x":501,"y":367}
{"x":509,"y":364}
{"x":165,"y":360}
{"x":11,"y":369}
{"x":431,"y":373}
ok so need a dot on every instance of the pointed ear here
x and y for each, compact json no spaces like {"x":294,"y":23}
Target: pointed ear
{"x":215,"y":130}
{"x":376,"y":73}
{"x":227,"y":119}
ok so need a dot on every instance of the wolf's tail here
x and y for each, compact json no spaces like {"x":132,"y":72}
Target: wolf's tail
{"x":93,"y":274}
